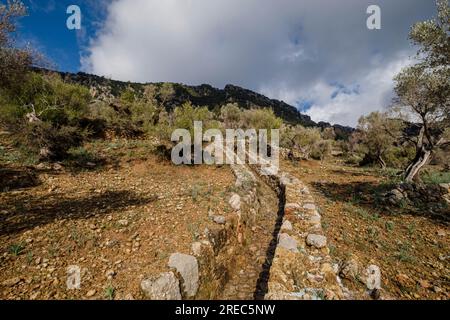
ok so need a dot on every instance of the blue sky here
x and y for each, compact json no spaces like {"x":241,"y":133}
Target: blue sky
{"x":45,"y":28}
{"x":317,"y":55}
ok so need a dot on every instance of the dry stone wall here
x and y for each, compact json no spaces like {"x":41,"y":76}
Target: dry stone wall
{"x":302,"y":268}
{"x":203,"y":273}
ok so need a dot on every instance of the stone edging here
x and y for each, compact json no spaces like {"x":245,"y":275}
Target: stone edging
{"x":203,"y":274}
{"x":302,"y":268}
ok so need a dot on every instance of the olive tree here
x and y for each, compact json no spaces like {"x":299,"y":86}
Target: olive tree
{"x":423,"y":89}
{"x":377,"y":133}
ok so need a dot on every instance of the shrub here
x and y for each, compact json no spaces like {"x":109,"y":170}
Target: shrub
{"x":230,"y":114}
{"x":322,"y":149}
{"x":185,"y":116}
{"x":51,"y":143}
{"x":260,"y":119}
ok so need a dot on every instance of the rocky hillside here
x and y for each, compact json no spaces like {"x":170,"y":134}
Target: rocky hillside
{"x":202,"y":95}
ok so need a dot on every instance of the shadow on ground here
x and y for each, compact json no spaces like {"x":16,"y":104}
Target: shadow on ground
{"x":369,"y":196}
{"x":22,"y":212}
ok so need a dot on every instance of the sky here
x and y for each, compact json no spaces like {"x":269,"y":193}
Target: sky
{"x":317,"y":55}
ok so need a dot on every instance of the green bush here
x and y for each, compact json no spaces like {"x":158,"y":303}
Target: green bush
{"x":230,"y":115}
{"x":49,"y":97}
{"x":184,"y":117}
{"x":260,"y":119}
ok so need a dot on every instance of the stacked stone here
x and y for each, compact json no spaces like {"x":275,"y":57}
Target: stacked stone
{"x":302,"y":268}
{"x":203,"y":274}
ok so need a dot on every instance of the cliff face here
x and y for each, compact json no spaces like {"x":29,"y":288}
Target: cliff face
{"x":202,"y":95}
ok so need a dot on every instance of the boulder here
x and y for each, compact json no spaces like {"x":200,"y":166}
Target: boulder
{"x":309,"y":206}
{"x":187,"y":267}
{"x":165,"y":286}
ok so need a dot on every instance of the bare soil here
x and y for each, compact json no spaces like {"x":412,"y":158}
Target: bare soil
{"x":410,"y":244}
{"x":118,"y":223}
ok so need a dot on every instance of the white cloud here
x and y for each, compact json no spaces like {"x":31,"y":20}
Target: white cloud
{"x":287,"y":49}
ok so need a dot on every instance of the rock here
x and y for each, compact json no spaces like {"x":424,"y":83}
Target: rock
{"x":235,"y":202}
{"x":395,"y":196}
{"x":163,"y":287}
{"x":90,"y":164}
{"x":292,"y":206}
{"x":287,"y":225}
{"x":373,"y":281}
{"x":11,"y":282}
{"x":196,"y":248}
{"x":123,"y":222}
{"x":309,"y":206}
{"x":287,"y":242}
{"x":187,"y":267}
{"x":57,"y":167}
{"x":436,"y":289}
{"x":350,"y":268}
{"x":91,"y":293}
{"x":424,"y":284}
{"x":41,"y":166}
{"x":316,"y":241}
{"x":441,"y":233}
{"x":110,"y":274}
{"x":219,"y":219}
{"x":315,"y":219}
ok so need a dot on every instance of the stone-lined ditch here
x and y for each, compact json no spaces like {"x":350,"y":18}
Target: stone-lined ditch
{"x":273,"y":247}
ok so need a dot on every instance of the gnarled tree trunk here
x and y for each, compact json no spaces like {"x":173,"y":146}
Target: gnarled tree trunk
{"x":381,"y":162}
{"x":423,"y":156}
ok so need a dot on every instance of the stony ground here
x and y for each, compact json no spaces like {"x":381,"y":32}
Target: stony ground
{"x":118,"y":212}
{"x":118,"y":223}
{"x":410,"y":244}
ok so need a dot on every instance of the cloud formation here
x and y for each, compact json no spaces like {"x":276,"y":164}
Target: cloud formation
{"x":317,"y":51}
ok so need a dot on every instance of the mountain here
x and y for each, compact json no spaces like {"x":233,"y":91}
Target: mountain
{"x":202,"y":95}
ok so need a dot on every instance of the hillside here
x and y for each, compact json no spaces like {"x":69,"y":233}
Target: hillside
{"x":202,"y":95}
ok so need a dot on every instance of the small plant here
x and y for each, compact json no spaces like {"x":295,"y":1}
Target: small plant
{"x":195,"y":192}
{"x":373,"y":232}
{"x":193,"y":229}
{"x":403,"y":254}
{"x":30,"y":257}
{"x":411,"y":228}
{"x":16,"y":248}
{"x":389,"y":225}
{"x":332,"y":250}
{"x":110,"y":292}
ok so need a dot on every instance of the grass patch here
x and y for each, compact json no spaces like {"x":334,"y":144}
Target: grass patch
{"x":16,"y":248}
{"x":361,"y":212}
{"x":404,"y":254}
{"x":434,"y":177}
{"x":389,"y":225}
